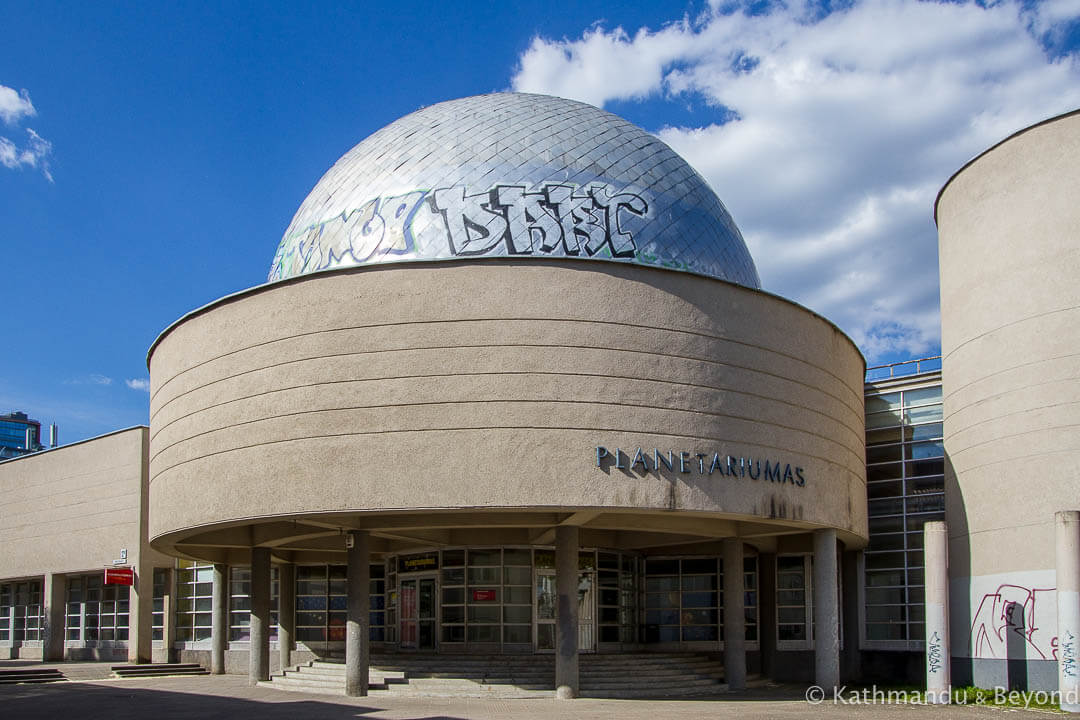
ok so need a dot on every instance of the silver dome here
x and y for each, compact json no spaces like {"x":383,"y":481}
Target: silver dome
{"x":519,"y":175}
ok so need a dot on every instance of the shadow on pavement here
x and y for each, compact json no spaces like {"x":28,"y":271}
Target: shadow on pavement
{"x":121,"y":701}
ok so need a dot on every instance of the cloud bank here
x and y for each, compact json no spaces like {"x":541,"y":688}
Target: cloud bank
{"x":838,"y":130}
{"x":35,"y":150}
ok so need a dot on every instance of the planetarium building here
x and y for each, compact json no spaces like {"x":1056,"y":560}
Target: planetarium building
{"x":512,"y":392}
{"x":512,"y":387}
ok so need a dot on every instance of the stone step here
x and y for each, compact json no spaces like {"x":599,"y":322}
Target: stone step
{"x":660,"y":669}
{"x":310,"y":690}
{"x":336,"y":686}
{"x":158,"y":670}
{"x":648,"y":692}
{"x":339,"y":678}
{"x":639,"y":675}
{"x":489,"y":691}
{"x":31,"y":675}
{"x":630,"y":683}
{"x":700,"y":662}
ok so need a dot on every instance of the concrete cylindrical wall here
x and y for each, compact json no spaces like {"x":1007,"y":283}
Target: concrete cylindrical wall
{"x":1009,"y":226}
{"x":489,"y":385}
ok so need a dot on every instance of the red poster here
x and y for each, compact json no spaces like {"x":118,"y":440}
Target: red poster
{"x":119,"y":576}
{"x":483,"y":595}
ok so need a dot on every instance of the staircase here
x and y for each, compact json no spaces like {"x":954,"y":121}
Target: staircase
{"x":157,"y":670}
{"x":328,"y":678}
{"x":31,"y":675}
{"x":646,"y":675}
{"x":637,"y":675}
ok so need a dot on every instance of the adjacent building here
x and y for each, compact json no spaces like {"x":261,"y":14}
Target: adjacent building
{"x":1011,"y":376}
{"x":19,"y":435}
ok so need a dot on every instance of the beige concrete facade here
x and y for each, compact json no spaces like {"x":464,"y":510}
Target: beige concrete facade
{"x":464,"y":402}
{"x":73,"y":511}
{"x":1011,"y":376}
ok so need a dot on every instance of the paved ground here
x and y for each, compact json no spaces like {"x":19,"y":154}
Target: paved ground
{"x":229,"y":697}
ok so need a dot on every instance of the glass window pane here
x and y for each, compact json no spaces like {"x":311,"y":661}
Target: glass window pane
{"x":922,"y":396}
{"x":485,"y":557}
{"x":883,"y":419}
{"x":517,"y":557}
{"x":930,"y":413}
{"x":929,"y":449}
{"x":517,"y":576}
{"x":453,"y":558}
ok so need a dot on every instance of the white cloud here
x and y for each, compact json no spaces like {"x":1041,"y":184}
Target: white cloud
{"x":15,"y":105}
{"x":846,"y":126}
{"x":139,"y":384}
{"x":91,"y":379}
{"x":35,"y":153}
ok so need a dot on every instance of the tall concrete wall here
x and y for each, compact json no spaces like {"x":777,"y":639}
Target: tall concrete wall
{"x":488,"y":385}
{"x":72,"y":511}
{"x":1009,"y":228}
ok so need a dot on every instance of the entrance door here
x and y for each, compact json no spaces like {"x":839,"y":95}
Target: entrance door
{"x":419,"y":613}
{"x":586,"y":594}
{"x":547,"y":605}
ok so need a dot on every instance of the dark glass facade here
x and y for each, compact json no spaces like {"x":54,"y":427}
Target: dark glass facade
{"x":905,"y":474}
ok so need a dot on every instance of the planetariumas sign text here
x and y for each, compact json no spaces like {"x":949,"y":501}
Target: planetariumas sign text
{"x":702,"y":464}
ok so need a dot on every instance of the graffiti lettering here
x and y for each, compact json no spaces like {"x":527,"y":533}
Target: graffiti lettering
{"x":933,"y":653}
{"x":474,"y":224}
{"x":556,"y":219}
{"x":1068,"y":654}
{"x":378,"y":227}
{"x":1011,"y":611}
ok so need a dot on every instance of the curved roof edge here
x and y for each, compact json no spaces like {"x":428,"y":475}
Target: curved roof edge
{"x":995,"y":146}
{"x":590,"y":262}
{"x":44,"y":451}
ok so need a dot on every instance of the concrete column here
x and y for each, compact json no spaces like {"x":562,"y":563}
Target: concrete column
{"x":357,"y":625}
{"x":851,"y":568}
{"x":826,"y":612}
{"x":259,"y":667}
{"x":1067,"y":531}
{"x":566,"y":629}
{"x":141,"y":613}
{"x":286,"y":613}
{"x":219,"y":620}
{"x":936,"y":562}
{"x":54,"y":597}
{"x":734,"y":616}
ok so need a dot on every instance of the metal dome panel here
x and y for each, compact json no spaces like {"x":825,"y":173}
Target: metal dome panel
{"x":513,"y":175}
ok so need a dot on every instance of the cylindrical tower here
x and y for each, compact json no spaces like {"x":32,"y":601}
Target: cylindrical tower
{"x":1009,"y":227}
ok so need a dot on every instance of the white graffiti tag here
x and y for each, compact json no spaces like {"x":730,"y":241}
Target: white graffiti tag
{"x":555,"y":219}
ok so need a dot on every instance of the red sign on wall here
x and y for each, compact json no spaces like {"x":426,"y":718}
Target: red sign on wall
{"x":119,"y":576}
{"x":483,"y":595}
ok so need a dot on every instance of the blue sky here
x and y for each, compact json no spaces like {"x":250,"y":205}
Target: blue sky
{"x":152,"y":154}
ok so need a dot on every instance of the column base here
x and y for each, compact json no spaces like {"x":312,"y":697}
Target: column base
{"x":565,"y":692}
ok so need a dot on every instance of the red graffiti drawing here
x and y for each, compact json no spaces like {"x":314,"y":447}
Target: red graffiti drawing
{"x":1010,"y":613}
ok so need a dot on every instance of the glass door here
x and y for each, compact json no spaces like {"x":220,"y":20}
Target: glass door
{"x":546,"y":603}
{"x":586,"y":611}
{"x":418,"y":612}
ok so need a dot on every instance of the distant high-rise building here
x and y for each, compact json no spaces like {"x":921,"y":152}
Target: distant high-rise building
{"x":13,"y":438}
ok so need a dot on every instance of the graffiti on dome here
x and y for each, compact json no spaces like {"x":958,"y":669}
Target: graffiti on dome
{"x":506,"y":220}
